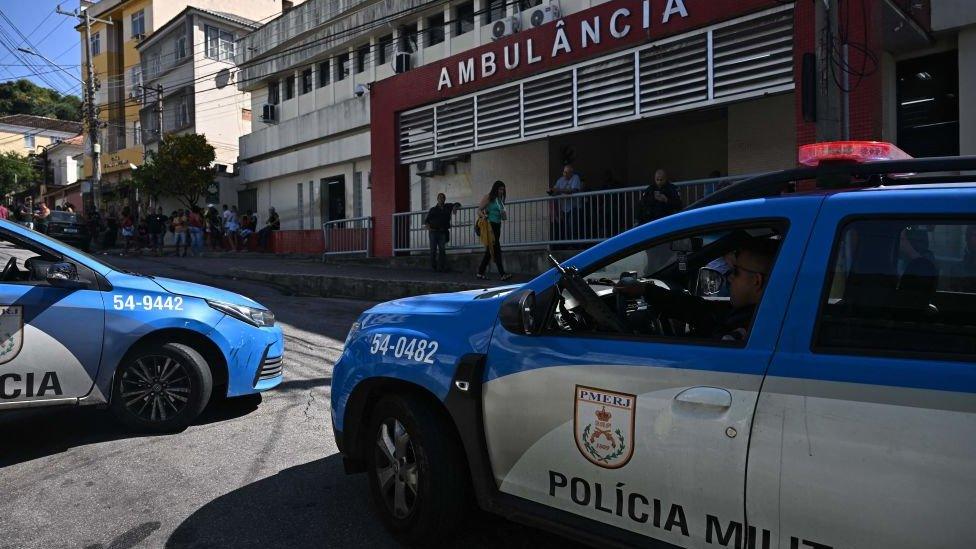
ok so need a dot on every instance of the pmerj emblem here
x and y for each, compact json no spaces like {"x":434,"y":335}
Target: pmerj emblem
{"x":604,"y":426}
{"x":11,"y":332}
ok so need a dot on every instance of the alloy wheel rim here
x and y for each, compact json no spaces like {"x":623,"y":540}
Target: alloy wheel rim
{"x":155,"y":388}
{"x":396,"y":468}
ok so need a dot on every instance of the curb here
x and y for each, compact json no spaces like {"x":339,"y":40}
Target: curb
{"x":371,"y":289}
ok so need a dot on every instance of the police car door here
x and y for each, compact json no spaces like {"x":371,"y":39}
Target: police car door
{"x":648,"y":434}
{"x":866,"y":428}
{"x":50,"y":338}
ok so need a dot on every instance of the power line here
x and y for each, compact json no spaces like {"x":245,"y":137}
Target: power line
{"x":26,"y":40}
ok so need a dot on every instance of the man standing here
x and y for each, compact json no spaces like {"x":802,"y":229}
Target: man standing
{"x":659,"y":199}
{"x":156,"y":224}
{"x":568,"y":183}
{"x":274,"y":224}
{"x":438,"y":224}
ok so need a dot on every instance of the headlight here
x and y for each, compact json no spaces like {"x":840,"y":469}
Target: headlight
{"x":352,"y":333}
{"x":262,"y":318}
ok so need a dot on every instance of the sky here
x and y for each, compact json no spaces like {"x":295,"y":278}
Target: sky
{"x":49,"y":33}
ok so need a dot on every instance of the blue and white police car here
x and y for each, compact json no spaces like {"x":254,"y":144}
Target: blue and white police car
{"x":75,"y":331}
{"x":828,"y":400}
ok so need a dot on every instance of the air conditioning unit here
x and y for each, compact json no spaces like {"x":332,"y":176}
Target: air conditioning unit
{"x":504,"y":27}
{"x":544,"y":14}
{"x":428,"y":168}
{"x":401,"y":62}
{"x":269,"y":113}
{"x":139,"y":37}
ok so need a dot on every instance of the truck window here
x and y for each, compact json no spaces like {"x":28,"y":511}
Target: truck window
{"x":902,"y":287}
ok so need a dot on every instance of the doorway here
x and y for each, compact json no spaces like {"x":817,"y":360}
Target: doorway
{"x":333,"y":198}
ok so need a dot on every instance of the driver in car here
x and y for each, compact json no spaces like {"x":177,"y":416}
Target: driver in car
{"x":726,"y":321}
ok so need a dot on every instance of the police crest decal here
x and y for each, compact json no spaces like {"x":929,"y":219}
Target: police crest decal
{"x":603,"y":425}
{"x":11,"y":332}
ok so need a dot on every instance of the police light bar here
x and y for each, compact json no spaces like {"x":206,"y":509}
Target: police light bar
{"x":857,"y":152}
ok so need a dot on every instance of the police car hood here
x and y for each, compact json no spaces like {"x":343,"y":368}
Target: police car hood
{"x":442,"y":303}
{"x":189,"y":289}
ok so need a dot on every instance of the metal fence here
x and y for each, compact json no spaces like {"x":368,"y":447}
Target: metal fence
{"x":348,"y":237}
{"x":577,"y":220}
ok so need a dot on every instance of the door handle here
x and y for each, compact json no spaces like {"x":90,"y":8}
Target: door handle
{"x":710,"y":398}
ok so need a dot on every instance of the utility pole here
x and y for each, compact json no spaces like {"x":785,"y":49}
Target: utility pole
{"x":159,"y":114}
{"x":91,"y":111}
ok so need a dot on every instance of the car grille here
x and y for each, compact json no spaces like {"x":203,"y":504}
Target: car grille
{"x":271,"y":368}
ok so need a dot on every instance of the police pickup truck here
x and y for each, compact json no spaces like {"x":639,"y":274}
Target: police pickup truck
{"x":823,"y":398}
{"x":76,"y":331}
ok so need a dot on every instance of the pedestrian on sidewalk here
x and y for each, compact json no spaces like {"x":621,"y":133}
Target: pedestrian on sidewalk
{"x":128,"y":229}
{"x":491,"y":213}
{"x":264,"y":235}
{"x":195,"y":223}
{"x":232,"y":226}
{"x":214,"y":227}
{"x":438,"y":224}
{"x":156,"y":223}
{"x":567,"y":184}
{"x":181,"y":233}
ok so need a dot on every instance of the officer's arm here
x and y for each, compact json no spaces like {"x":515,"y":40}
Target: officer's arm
{"x":679,"y":305}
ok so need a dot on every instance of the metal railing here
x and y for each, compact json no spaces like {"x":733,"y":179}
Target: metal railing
{"x":348,"y":237}
{"x":579,"y":219}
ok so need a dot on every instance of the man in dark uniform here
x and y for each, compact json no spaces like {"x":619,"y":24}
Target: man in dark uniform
{"x":730,"y":321}
{"x":438,"y":224}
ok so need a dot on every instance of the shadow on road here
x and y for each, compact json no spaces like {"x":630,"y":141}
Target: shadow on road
{"x":33,"y":434}
{"x":317,"y":505}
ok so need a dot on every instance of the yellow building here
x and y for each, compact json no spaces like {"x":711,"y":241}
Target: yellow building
{"x":118,"y":73}
{"x":27,"y":134}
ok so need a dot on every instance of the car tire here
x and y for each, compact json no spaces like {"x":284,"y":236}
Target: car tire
{"x":161,"y":388}
{"x":431,"y":474}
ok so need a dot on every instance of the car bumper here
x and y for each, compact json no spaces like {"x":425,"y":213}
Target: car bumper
{"x":254,"y":356}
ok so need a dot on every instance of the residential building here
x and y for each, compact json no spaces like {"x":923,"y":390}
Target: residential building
{"x":118,"y":70}
{"x":372,"y":108}
{"x":188,"y":64}
{"x":66,"y":161}
{"x":27,"y":134}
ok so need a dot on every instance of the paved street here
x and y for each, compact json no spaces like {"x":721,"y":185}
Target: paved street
{"x":248,"y":474}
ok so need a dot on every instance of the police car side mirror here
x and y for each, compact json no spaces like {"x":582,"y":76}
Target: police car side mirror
{"x":64,"y":275}
{"x":517,"y":314}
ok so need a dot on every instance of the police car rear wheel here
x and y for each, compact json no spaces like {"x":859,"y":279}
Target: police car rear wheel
{"x":417,"y":476}
{"x":161,"y":388}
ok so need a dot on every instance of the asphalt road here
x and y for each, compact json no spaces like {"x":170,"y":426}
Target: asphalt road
{"x":251,"y":473}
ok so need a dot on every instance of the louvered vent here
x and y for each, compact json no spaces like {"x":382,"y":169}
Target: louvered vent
{"x":498,"y":115}
{"x":754,"y":55}
{"x":548,"y":103}
{"x":455,"y":125}
{"x":674,"y":74}
{"x":417,"y":135}
{"x":605,"y":90}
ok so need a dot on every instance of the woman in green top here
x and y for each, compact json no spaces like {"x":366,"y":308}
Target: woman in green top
{"x":493,"y":207}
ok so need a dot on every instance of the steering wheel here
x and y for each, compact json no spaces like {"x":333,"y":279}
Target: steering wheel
{"x":8,"y":269}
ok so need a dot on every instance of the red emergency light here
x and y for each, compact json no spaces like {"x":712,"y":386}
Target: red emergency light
{"x":857,"y":152}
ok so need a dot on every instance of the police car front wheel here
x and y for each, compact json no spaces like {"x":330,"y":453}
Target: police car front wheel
{"x":161,"y":387}
{"x":417,"y":475}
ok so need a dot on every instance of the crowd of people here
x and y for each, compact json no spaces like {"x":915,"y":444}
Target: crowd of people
{"x":189,"y":231}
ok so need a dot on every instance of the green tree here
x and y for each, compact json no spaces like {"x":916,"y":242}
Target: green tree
{"x":16,"y":173}
{"x":25,"y":97}
{"x":182,"y":168}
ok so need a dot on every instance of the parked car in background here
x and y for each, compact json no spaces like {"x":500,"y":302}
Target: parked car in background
{"x":70,"y":228}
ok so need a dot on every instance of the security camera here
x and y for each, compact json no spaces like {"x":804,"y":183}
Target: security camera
{"x":361,"y":90}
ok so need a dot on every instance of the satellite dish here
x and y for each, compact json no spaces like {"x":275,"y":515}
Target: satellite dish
{"x":222,"y":78}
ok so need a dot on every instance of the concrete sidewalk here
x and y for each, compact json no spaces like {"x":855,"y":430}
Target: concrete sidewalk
{"x":313,"y":278}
